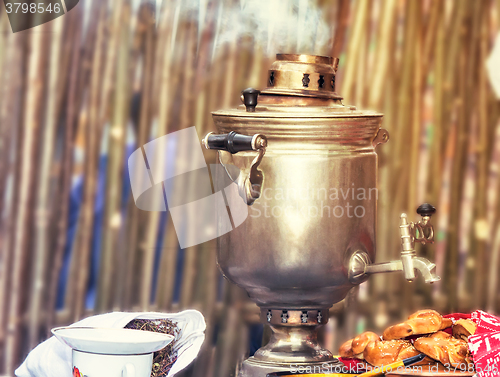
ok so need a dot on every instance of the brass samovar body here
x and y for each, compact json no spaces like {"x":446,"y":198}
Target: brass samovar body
{"x":311,"y":191}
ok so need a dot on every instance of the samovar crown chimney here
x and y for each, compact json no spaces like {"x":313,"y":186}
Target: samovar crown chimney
{"x":303,"y":75}
{"x":303,"y":58}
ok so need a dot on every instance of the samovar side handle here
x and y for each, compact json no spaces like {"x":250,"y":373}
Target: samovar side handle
{"x":234,"y":142}
{"x":381,"y":137}
{"x":249,"y":182}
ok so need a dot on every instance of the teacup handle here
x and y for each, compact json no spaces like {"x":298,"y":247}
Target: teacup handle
{"x":128,"y":371}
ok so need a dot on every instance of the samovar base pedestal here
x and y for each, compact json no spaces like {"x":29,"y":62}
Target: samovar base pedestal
{"x":255,"y":368}
{"x":293,"y":346}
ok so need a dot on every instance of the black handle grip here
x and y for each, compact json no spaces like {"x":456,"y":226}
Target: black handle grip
{"x":231,"y":142}
{"x":250,"y":98}
{"x":426,"y":209}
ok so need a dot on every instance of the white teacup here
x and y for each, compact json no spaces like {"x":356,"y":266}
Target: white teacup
{"x":93,"y":364}
{"x":99,"y":352}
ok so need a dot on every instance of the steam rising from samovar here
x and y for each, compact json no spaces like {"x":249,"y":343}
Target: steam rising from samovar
{"x":306,"y":164}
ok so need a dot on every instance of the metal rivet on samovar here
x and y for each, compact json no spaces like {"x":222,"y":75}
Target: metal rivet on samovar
{"x":298,"y":246}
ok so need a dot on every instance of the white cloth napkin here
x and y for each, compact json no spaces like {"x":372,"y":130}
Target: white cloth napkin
{"x":53,"y":358}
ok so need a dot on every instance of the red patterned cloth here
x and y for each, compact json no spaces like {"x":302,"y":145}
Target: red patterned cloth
{"x":484,"y":345}
{"x":353,"y":365}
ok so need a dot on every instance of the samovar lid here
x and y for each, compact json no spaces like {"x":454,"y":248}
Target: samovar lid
{"x":299,"y":86}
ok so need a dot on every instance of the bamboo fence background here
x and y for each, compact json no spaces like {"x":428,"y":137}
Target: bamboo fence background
{"x":67,"y":91}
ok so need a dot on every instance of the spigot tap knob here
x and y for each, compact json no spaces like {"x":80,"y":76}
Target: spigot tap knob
{"x":426,"y":210}
{"x":423,"y":230}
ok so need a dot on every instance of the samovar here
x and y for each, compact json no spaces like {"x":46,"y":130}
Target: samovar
{"x":307,"y":167}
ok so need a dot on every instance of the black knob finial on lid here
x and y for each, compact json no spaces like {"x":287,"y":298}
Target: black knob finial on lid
{"x":250,"y":98}
{"x":426,"y":209}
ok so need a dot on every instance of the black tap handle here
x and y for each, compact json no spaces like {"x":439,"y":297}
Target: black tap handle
{"x":250,"y":98}
{"x":234,"y":142}
{"x":426,"y":209}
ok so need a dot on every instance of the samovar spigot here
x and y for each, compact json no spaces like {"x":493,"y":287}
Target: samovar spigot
{"x":360,"y":266}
